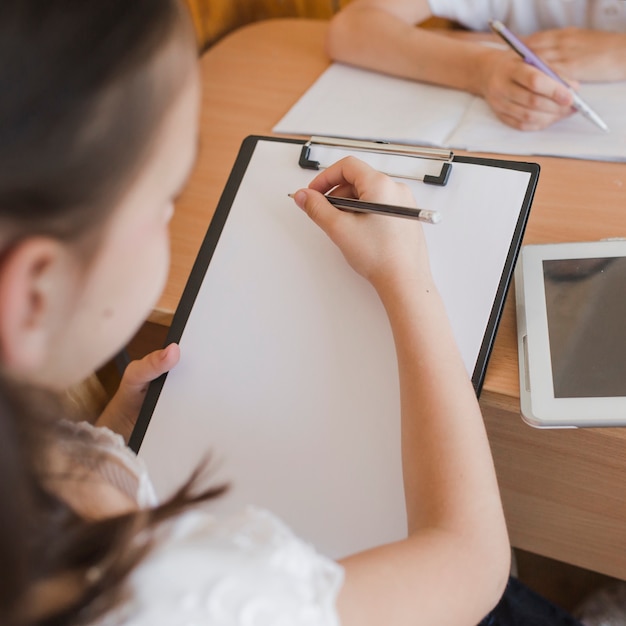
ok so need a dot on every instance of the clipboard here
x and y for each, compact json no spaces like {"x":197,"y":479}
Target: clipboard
{"x":288,"y":375}
{"x":430,"y":165}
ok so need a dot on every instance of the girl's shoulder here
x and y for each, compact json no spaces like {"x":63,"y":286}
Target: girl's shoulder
{"x":247,"y":568}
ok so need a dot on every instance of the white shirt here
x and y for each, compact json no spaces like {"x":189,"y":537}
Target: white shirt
{"x":525,"y":17}
{"x":248,"y":569}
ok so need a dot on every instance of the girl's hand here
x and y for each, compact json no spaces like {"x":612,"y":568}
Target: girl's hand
{"x":520,"y":95}
{"x":122,"y":411}
{"x":380,"y":248}
{"x":586,"y":55}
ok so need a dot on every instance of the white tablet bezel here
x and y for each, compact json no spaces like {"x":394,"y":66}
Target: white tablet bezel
{"x":540,"y":408}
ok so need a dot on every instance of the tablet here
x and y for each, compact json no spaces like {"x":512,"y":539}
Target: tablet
{"x":571,"y":329}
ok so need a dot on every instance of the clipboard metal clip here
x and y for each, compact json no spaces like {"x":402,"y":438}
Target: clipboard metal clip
{"x":429,"y":165}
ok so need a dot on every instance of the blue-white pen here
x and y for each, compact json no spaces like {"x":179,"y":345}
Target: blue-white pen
{"x":532,"y":59}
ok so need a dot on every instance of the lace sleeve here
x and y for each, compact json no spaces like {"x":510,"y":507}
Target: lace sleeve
{"x":246,"y":570}
{"x":103,"y":451}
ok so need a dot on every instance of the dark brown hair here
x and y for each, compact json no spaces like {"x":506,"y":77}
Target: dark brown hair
{"x":81,"y":98}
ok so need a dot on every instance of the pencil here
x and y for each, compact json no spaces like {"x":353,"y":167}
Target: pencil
{"x":361,"y":206}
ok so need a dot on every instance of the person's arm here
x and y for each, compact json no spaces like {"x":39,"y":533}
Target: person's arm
{"x":454,"y":565}
{"x":382,"y":35}
{"x":585,"y":55}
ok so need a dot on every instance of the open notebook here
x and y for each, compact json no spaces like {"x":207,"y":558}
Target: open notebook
{"x":288,"y":373}
{"x":350,"y":102}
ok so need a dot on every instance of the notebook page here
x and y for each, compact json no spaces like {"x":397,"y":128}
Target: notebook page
{"x":359,"y":104}
{"x":350,"y":102}
{"x":573,"y":137}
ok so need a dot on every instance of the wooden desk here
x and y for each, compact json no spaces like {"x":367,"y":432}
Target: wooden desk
{"x":564,"y":491}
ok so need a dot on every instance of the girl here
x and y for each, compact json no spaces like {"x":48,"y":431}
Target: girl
{"x":583,"y":40}
{"x":97,"y":136}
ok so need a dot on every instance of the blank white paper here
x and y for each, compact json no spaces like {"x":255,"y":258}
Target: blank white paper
{"x":288,"y":373}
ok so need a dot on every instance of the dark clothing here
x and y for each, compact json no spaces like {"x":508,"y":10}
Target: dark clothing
{"x":521,"y":606}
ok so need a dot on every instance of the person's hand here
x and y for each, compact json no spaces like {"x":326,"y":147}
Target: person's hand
{"x":122,"y":411}
{"x":381,"y":248}
{"x":521,"y":95}
{"x":585,"y":55}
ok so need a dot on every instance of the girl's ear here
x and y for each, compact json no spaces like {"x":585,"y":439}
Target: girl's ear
{"x":35,"y":286}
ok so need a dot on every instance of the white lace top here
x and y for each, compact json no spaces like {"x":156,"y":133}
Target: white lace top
{"x":245,"y":570}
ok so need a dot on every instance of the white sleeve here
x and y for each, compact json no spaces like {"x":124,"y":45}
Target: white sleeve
{"x":105,"y":453}
{"x":528,"y":16}
{"x":246,"y":570}
{"x":473,"y":14}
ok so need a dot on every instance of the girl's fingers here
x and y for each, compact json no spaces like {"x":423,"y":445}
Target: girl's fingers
{"x":139,"y":373}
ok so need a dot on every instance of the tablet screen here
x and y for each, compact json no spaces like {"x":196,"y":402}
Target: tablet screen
{"x":586,"y":311}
